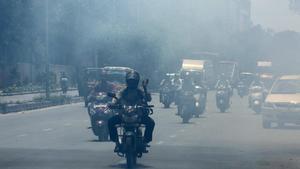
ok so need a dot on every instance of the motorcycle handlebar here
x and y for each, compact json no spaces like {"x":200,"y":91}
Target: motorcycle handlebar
{"x":120,"y":106}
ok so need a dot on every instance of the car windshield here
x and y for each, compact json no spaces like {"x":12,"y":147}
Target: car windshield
{"x":286,"y":87}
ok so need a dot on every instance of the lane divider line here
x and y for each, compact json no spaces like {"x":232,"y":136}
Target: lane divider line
{"x":48,"y":129}
{"x":22,"y":135}
{"x":173,"y":136}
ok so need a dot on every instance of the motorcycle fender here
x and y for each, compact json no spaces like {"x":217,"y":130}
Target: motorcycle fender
{"x":129,"y":135}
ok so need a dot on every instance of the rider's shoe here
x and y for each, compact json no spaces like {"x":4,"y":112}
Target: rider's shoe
{"x":117,"y":148}
{"x":145,"y":146}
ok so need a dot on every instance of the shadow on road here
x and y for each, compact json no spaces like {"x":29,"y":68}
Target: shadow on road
{"x":124,"y":166}
{"x":96,"y":140}
{"x":287,"y":128}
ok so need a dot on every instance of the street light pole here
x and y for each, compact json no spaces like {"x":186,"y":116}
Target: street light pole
{"x":47,"y":52}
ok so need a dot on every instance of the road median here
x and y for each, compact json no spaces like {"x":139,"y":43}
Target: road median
{"x":38,"y":104}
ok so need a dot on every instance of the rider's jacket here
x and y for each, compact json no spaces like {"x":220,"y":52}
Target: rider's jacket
{"x":133,"y":96}
{"x":225,"y":83}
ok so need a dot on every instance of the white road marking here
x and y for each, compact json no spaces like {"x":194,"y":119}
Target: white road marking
{"x":67,"y":124}
{"x":160,"y":142}
{"x":182,"y":130}
{"x":173,"y":136}
{"x":22,"y":135}
{"x":48,"y":129}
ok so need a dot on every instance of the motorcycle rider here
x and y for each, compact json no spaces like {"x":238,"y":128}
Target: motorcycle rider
{"x":64,"y":82}
{"x":187,"y":85}
{"x":132,"y":95}
{"x":176,"y":83}
{"x":257,"y":82}
{"x":165,"y":83}
{"x":200,"y":82}
{"x":223,"y":81}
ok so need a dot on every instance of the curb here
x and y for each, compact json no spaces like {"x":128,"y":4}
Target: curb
{"x":35,"y":105}
{"x":33,"y":92}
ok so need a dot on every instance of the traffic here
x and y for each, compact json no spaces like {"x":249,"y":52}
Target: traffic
{"x":149,"y":84}
{"x":119,"y":109}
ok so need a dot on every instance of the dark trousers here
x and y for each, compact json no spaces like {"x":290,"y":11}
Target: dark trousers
{"x":146,"y":120}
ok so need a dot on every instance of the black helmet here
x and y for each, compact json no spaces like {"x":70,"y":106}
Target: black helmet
{"x":132,"y":79}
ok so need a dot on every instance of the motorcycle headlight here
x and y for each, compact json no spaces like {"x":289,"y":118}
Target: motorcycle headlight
{"x":256,"y":102}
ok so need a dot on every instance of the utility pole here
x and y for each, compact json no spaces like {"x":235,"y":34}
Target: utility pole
{"x":47,"y":51}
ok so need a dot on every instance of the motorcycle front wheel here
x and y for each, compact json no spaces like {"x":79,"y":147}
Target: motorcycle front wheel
{"x":185,"y":115}
{"x":130,"y":154}
{"x":103,"y":134}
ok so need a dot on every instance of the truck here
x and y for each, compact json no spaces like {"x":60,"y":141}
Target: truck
{"x":202,"y":69}
{"x":264,"y":70}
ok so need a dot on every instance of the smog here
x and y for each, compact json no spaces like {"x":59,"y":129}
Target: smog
{"x":149,"y":84}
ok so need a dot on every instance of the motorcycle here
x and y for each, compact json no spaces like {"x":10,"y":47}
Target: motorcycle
{"x":166,"y":97}
{"x":131,"y":131}
{"x":242,"y":89}
{"x":256,"y":98}
{"x":223,"y":98}
{"x":200,"y":100}
{"x":99,"y":114}
{"x":186,"y":108}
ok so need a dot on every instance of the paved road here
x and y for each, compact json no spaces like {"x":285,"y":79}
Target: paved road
{"x":58,"y":138}
{"x":29,"y":97}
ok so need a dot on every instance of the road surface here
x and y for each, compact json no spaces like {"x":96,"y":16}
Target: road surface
{"x":58,"y":138}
